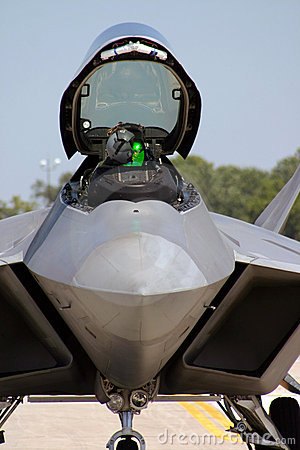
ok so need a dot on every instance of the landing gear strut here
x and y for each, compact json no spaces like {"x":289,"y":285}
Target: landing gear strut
{"x":7,"y":407}
{"x":253,"y":423}
{"x":127,"y":438}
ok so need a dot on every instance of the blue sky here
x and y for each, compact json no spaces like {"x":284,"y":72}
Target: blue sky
{"x":244,"y":56}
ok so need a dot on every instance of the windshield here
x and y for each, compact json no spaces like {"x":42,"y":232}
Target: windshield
{"x":131,"y":91}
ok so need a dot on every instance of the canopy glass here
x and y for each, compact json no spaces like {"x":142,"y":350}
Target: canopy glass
{"x":142,"y":92}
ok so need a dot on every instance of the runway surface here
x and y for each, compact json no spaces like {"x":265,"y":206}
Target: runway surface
{"x":171,"y":425}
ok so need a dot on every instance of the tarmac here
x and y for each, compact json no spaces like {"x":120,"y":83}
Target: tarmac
{"x":170,"y":425}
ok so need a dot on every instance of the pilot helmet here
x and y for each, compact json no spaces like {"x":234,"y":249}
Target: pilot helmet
{"x":119,"y":146}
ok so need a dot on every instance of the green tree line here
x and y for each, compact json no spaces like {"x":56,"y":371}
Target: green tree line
{"x":242,"y":193}
{"x":42,"y":195}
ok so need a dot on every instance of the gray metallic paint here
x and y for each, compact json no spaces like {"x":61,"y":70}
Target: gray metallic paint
{"x":134,"y":327}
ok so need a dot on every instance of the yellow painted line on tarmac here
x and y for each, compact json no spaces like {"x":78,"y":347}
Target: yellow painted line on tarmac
{"x":213,"y":412}
{"x":208,"y":424}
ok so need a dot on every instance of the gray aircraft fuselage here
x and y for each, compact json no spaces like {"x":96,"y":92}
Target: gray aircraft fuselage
{"x":128,"y":268}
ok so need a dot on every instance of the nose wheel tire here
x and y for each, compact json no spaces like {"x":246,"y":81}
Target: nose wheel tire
{"x":127,"y":444}
{"x":122,"y":440}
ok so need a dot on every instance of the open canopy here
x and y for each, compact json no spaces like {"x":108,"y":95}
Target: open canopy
{"x":129,"y":75}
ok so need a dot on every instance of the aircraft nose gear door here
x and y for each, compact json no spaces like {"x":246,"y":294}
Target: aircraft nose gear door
{"x":126,"y":438}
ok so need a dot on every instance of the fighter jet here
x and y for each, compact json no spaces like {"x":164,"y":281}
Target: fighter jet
{"x":128,"y":288}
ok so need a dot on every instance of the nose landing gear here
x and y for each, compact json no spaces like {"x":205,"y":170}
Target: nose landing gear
{"x":126,"y":403}
{"x":127,"y":438}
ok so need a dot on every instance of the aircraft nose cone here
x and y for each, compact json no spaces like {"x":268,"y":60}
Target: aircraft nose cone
{"x":139,"y":263}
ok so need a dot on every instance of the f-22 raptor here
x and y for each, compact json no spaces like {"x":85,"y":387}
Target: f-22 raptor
{"x":128,"y":288}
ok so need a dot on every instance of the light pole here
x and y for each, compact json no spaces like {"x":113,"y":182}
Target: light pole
{"x":46,"y":164}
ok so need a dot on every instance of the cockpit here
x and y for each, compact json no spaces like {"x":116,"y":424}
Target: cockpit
{"x":131,"y":171}
{"x":130,"y":106}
